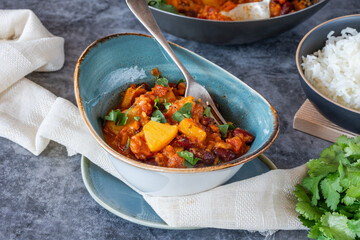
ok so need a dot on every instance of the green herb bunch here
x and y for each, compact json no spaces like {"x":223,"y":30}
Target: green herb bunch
{"x":329,"y":199}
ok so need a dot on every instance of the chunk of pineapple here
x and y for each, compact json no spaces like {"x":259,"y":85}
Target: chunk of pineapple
{"x":158,"y":135}
{"x":188,"y":127}
{"x":131,"y":93}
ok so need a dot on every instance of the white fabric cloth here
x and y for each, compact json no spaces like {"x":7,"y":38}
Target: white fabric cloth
{"x":32,"y":116}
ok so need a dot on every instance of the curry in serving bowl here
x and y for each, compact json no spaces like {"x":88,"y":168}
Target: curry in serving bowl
{"x":109,"y":67}
{"x":224,"y":10}
{"x":162,"y":127}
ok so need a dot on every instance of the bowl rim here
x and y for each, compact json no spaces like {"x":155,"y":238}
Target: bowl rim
{"x":246,"y":21}
{"x":135,"y":163}
{"x":301,"y":72}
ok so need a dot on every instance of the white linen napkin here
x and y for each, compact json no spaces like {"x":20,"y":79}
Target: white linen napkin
{"x":32,"y":116}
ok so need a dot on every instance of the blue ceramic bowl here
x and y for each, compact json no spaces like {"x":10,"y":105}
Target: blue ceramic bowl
{"x":231,"y":32}
{"x":108,"y":67}
{"x":313,"y":41}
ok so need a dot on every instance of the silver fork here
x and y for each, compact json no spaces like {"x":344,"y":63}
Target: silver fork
{"x":141,"y":10}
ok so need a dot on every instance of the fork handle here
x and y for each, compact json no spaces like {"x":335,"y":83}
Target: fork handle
{"x":142,"y":11}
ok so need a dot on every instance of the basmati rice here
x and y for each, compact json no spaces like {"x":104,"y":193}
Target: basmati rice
{"x":335,"y":69}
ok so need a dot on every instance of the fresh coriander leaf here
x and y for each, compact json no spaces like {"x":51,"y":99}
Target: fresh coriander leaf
{"x":118,"y":117}
{"x":224,"y":129}
{"x":189,"y":157}
{"x":183,"y":112}
{"x":354,"y":225}
{"x":352,"y":193}
{"x":157,"y":116}
{"x":162,"y":81}
{"x":352,"y":151}
{"x":343,"y":210}
{"x":127,"y":144}
{"x":335,"y":226}
{"x":309,"y":211}
{"x":187,"y":164}
{"x":306,"y":222}
{"x":356,"y":163}
{"x":157,"y":103}
{"x":153,"y":3}
{"x":330,"y":188}
{"x":348,"y":200}
{"x":166,"y":104}
{"x":315,"y":232}
{"x":312,"y":184}
{"x":344,"y":141}
{"x":161,"y":4}
{"x":301,"y":194}
{"x":178,"y":117}
{"x":207,"y":111}
{"x":349,"y":176}
{"x":322,"y":166}
{"x":353,"y":209}
{"x":137,"y":118}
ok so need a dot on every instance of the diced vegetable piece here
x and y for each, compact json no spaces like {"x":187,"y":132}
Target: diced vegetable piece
{"x":111,"y":127}
{"x":158,"y":135}
{"x":131,"y":93}
{"x":170,"y":96}
{"x":188,"y":127}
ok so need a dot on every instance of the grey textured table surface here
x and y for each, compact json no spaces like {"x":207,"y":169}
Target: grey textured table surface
{"x":43,"y":197}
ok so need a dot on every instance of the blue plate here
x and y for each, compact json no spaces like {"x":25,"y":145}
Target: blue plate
{"x":121,"y":200}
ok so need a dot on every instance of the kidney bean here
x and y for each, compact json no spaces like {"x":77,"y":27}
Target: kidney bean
{"x":199,"y":165}
{"x":225,"y":155}
{"x":151,"y":161}
{"x":249,"y":138}
{"x":182,"y":141}
{"x":207,"y":121}
{"x":286,"y":8}
{"x":206,"y":157}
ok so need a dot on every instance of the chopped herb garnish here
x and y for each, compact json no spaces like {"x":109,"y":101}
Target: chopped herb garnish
{"x":207,"y":111}
{"x":118,"y":117}
{"x":224,"y":129}
{"x":187,"y":164}
{"x":157,"y":116}
{"x":180,"y":81}
{"x":161,"y":4}
{"x":183,"y":112}
{"x":157,"y":103}
{"x":137,"y":118}
{"x":162,"y":81}
{"x":127,"y":144}
{"x":189,"y":157}
{"x":166,"y":104}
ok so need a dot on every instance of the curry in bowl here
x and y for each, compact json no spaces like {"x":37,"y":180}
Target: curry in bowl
{"x":226,"y":10}
{"x":162,"y":127}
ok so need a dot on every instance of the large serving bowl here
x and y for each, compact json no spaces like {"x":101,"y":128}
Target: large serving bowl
{"x":313,"y":41}
{"x":231,"y":32}
{"x":109,"y":65}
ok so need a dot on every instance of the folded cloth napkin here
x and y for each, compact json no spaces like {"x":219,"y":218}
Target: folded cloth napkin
{"x":32,"y":116}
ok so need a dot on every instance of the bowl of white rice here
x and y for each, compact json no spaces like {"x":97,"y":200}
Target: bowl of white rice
{"x":328,"y":61}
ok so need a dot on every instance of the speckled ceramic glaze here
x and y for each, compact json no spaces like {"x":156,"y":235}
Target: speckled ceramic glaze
{"x":313,"y":41}
{"x":231,"y":32}
{"x":108,"y":66}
